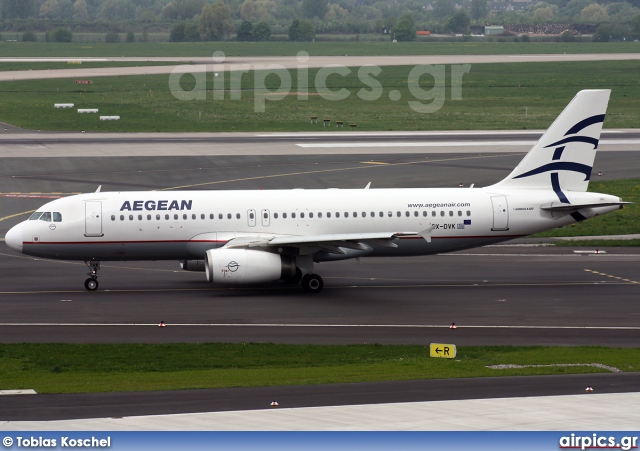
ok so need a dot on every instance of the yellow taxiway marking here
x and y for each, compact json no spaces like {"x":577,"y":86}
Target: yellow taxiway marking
{"x":612,"y":276}
{"x":374,"y":162}
{"x":320,"y":171}
{"x":17,"y":214}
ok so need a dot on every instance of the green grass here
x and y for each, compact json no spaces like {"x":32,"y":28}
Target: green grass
{"x":494,"y":96}
{"x":623,"y":222}
{"x":598,"y":243}
{"x":85,"y":65}
{"x":70,"y":368}
{"x":327,"y":48}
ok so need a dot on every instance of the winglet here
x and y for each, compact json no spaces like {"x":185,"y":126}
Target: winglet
{"x":368,"y":185}
{"x":99,"y":188}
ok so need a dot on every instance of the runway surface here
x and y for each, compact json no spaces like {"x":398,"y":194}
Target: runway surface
{"x":496,"y":295}
{"x":200,"y":64}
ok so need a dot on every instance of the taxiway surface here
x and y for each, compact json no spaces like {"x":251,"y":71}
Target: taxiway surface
{"x":496,"y":295}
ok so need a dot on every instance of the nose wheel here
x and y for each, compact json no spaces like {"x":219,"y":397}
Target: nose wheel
{"x":91,"y":283}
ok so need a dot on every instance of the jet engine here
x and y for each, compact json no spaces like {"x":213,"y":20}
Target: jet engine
{"x":238,"y":266}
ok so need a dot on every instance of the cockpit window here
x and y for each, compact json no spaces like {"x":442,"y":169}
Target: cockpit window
{"x":46,"y":216}
{"x":57,"y":216}
{"x":35,"y":216}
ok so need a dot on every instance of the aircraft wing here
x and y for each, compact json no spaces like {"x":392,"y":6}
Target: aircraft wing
{"x":331,"y":243}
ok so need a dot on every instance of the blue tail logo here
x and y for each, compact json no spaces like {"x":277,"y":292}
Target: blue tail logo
{"x":559,"y":147}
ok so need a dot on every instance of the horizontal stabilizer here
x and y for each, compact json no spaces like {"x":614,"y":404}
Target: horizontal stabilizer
{"x":559,"y":206}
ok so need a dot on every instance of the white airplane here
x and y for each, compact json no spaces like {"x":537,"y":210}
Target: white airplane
{"x":244,"y":237}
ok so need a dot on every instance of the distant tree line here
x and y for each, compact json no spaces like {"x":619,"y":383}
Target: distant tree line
{"x":191,"y":20}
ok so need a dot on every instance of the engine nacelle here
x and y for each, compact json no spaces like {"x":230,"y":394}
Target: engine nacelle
{"x":238,"y":266}
{"x":193,"y":265}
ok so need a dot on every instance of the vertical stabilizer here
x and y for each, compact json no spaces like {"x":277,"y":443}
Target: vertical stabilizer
{"x":563,"y":157}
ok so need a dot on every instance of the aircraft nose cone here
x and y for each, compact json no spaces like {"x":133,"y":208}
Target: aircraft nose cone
{"x":13,"y":238}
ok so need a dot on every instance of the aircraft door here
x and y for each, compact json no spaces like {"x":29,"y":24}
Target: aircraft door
{"x":93,"y":218}
{"x":500,"y":213}
{"x":266,"y":218}
{"x":251,"y":218}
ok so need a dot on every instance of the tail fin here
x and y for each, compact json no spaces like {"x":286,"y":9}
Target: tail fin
{"x":563,"y":157}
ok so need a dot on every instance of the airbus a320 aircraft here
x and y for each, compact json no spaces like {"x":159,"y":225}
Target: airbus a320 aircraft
{"x":244,"y":237}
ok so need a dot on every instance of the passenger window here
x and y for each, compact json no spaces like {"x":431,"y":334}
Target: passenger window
{"x":381,"y":214}
{"x":202,"y":216}
{"x":337,"y":214}
{"x":184,"y":216}
{"x":251,"y":216}
{"x":390,"y":214}
{"x":450,"y":213}
{"x":237,"y":215}
{"x":46,"y":216}
{"x":166,"y":217}
{"x":433,"y":213}
{"x":310,"y":215}
{"x":35,"y":216}
{"x":406,"y":213}
{"x":57,"y":217}
{"x":415,"y":213}
{"x":355,"y":214}
{"x":275,"y":216}
{"x":459,"y":213}
{"x":398,"y":214}
{"x":113,"y":218}
{"x":139,"y":217}
{"x":468,"y":213}
{"x":373,"y":214}
{"x":442,"y":213}
{"x":284,"y":216}
{"x":424,"y":213}
{"x":364,"y":214}
{"x":175,"y":217}
{"x":293,"y":215}
{"x":319,"y":214}
{"x":121,"y":217}
{"x":212,"y":216}
{"x":266,"y":216}
{"x":157,"y":217}
{"x":328,"y":215}
{"x":130,"y":217}
{"x":346,"y":214}
{"x":193,"y":216}
{"x":228,"y":215}
{"x":149,"y":217}
{"x":302,"y":215}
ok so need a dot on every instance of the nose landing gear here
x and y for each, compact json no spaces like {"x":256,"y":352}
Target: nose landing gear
{"x":91,"y":283}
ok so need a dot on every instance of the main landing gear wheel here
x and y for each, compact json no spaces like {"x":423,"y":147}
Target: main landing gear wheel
{"x":91,"y":284}
{"x":312,"y":283}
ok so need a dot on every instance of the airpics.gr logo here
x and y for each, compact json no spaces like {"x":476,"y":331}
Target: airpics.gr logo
{"x":320,"y":81}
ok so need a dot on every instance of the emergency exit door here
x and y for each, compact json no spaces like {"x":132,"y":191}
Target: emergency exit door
{"x":500,"y":213}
